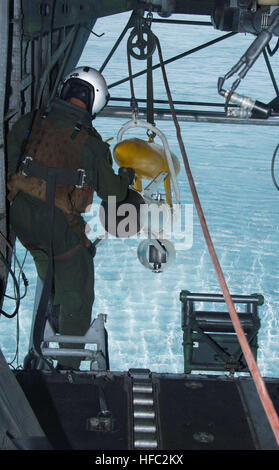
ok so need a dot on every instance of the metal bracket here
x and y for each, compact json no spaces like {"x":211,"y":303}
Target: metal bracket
{"x":25,"y":164}
{"x":153,"y":185}
{"x":82,"y":174}
{"x":95,"y":335}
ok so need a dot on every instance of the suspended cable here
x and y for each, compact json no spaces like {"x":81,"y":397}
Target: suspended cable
{"x":271,"y":52}
{"x":258,"y":380}
{"x":269,"y":68}
{"x":17,"y":297}
{"x":149,"y":92}
{"x":272,"y":168}
{"x":7,"y":315}
{"x":16,"y":355}
{"x":20,"y":265}
{"x":134,"y":104}
{"x":25,"y":288}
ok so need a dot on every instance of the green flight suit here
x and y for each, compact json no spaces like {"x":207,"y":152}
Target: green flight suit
{"x":73,"y":275}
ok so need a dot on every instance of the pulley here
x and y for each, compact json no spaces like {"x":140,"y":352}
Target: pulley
{"x":141,"y":42}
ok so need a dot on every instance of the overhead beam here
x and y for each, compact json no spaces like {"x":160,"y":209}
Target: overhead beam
{"x":194,"y":7}
{"x":162,"y":114}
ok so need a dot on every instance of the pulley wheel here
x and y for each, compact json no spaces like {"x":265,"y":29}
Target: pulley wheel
{"x":141,"y":43}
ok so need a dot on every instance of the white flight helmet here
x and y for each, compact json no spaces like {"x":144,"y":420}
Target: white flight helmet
{"x":88,"y":85}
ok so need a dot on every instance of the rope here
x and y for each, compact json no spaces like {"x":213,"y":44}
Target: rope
{"x":134,"y":104}
{"x":258,"y":380}
{"x":149,"y":93}
{"x":272,"y":168}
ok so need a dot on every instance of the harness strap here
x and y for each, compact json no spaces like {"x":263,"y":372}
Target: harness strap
{"x":52,"y":176}
{"x":41,"y":317}
{"x":78,"y":178}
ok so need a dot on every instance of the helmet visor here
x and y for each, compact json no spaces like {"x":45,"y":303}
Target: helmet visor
{"x":79,"y":89}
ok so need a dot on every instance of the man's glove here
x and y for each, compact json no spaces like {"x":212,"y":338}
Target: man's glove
{"x":129,"y":172}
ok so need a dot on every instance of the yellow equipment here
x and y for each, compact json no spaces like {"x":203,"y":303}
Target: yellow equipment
{"x":147,"y":159}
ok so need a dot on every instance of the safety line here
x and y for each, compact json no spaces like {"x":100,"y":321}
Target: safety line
{"x":258,"y":380}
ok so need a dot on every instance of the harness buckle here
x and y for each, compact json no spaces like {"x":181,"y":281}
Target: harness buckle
{"x":25,"y":164}
{"x":82,"y":176}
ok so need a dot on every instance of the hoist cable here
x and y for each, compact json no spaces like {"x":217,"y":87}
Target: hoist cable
{"x":149,"y":79}
{"x":272,"y":168}
{"x":149,"y":93}
{"x":257,"y":378}
{"x":134,"y":104}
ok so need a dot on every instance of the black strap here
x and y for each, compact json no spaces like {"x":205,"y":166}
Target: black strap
{"x":52,"y":176}
{"x":30,"y":167}
{"x":41,"y":317}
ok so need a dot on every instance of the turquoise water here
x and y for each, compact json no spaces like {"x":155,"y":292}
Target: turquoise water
{"x":231,"y":167}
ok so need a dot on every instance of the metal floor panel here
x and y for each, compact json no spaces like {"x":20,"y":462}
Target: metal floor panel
{"x":202,"y":415}
{"x":194,"y":412}
{"x":63,"y":409}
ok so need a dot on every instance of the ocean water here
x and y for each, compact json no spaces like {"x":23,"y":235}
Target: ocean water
{"x":231,"y":167}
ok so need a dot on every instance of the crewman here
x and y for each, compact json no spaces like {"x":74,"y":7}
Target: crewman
{"x":62,"y":138}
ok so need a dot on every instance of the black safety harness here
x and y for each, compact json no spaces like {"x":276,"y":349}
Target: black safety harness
{"x":52,"y":176}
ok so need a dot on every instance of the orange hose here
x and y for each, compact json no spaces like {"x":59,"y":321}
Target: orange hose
{"x":257,"y":378}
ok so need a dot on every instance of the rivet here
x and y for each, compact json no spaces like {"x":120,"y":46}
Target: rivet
{"x":203,"y":437}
